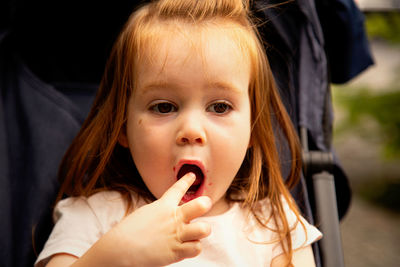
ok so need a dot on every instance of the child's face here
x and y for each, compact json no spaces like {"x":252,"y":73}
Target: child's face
{"x":191,"y":108}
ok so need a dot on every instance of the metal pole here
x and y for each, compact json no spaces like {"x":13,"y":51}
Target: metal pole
{"x":328,"y":219}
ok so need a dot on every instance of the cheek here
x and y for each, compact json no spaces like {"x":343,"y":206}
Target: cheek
{"x":241,"y":133}
{"x":231,"y":147}
{"x":149,"y":153}
{"x":240,"y":142}
{"x":143,"y":141}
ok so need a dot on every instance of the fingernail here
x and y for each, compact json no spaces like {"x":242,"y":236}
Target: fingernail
{"x":191,"y":174}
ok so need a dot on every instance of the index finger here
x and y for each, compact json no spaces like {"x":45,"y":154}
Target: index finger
{"x":179,"y":189}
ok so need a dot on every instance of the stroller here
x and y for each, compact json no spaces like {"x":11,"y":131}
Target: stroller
{"x":52,"y":54}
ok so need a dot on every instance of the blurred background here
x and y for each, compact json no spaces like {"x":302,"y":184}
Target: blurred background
{"x":367,"y":142}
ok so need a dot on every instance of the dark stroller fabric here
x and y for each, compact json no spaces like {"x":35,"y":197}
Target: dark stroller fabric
{"x":306,"y":56}
{"x":346,"y":44}
{"x":52,"y":59}
{"x":36,"y":125}
{"x":52,"y":55}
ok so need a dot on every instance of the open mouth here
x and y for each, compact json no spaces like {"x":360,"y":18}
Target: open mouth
{"x":195,"y":188}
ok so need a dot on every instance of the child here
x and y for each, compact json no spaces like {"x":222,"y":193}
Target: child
{"x":177,"y":162}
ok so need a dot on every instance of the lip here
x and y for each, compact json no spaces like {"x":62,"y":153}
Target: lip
{"x":200,"y":191}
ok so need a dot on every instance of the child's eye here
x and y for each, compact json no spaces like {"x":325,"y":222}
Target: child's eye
{"x":163,"y":107}
{"x":219,"y":107}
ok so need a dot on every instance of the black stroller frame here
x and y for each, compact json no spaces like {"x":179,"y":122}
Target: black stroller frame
{"x":318,"y":167}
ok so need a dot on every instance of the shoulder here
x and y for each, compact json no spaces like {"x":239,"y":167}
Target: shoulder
{"x":81,"y":221}
{"x":266,"y":206}
{"x":98,"y":212}
{"x":109,"y":203}
{"x":302,"y":232}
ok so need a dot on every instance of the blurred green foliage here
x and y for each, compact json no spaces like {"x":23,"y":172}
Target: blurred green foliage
{"x":374,"y":114}
{"x":384,"y":193}
{"x":382,"y":110}
{"x":383,"y":26}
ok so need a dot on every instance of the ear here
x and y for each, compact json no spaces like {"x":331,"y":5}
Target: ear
{"x":122,"y":138}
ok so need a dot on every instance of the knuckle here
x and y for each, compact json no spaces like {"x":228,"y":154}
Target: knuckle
{"x":188,"y":251}
{"x":192,"y":251}
{"x":202,"y":231}
{"x":205,"y":229}
{"x":197,"y":248}
{"x":179,"y":215}
{"x":203,"y":208}
{"x":177,"y":254}
{"x":204,"y":203}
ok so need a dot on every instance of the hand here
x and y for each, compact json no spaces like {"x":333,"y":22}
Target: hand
{"x":161,"y":233}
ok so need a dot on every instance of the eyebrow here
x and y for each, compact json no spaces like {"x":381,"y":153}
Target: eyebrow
{"x":219,"y":85}
{"x":157,"y":85}
{"x":225,"y":86}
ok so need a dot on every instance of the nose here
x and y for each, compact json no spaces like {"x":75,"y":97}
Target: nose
{"x":191,"y":132}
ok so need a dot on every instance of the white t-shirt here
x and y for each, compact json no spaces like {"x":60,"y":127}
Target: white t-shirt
{"x":236,"y":239}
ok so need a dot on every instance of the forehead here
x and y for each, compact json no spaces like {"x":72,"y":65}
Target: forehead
{"x":196,"y":37}
{"x":172,"y":45}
